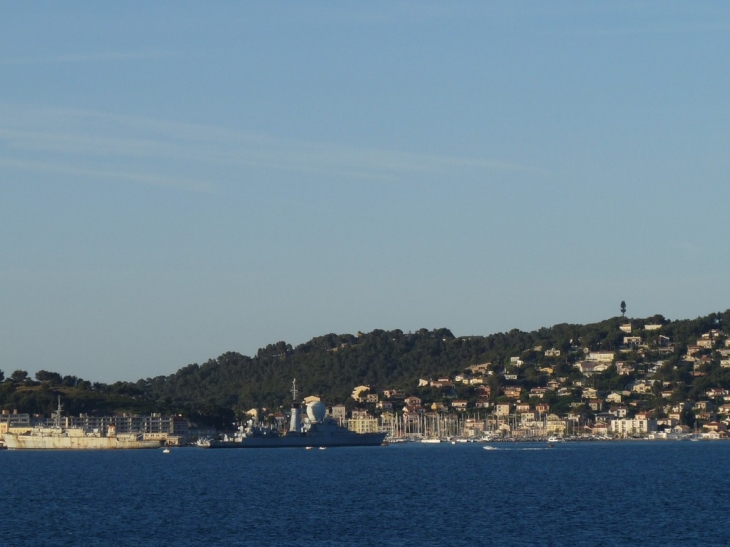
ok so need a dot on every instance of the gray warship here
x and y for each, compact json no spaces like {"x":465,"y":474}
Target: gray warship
{"x":313,"y":430}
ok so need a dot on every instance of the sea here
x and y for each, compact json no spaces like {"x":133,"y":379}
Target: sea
{"x":644,"y":493}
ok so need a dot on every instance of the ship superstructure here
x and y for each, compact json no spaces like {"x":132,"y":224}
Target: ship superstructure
{"x":313,"y":429}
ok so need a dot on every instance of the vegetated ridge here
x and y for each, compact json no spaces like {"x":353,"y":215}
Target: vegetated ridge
{"x":221,"y":389}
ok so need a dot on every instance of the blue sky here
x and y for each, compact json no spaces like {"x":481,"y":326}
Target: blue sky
{"x":178,"y":180}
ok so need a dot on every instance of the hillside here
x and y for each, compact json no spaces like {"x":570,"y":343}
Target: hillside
{"x":331,"y":365}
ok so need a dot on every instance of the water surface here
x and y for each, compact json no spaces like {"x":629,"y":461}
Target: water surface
{"x":597,"y":494}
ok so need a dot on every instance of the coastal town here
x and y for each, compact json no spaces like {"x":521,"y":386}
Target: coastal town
{"x":647,"y":406}
{"x":566,"y":404}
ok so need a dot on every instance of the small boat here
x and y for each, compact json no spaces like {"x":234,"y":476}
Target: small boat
{"x":323,"y":448}
{"x":308,"y":448}
{"x":166,"y":451}
{"x":553,"y":439}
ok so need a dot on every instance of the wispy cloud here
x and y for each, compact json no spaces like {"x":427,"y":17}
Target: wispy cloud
{"x":85,"y":58}
{"x":645,"y":18}
{"x":98,"y":145}
{"x":403,"y":12}
{"x":648,"y":29}
{"x":150,"y":178}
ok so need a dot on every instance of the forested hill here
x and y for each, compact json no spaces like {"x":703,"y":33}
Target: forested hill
{"x":331,"y":365}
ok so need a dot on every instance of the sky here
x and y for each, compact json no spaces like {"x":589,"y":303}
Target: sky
{"x":183,"y":179}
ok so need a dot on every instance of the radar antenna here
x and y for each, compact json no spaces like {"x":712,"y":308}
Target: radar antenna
{"x":294,"y":390}
{"x":57,"y":418}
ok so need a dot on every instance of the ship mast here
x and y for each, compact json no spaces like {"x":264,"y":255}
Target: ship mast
{"x":295,"y":425}
{"x":57,"y":420}
{"x":294,"y":390}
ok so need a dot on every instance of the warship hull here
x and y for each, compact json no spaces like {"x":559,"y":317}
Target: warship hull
{"x":64,"y":442}
{"x":304,"y":441}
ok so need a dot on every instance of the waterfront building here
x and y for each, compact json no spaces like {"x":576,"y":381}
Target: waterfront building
{"x":502,"y":409}
{"x":153,"y":426}
{"x":542,"y":408}
{"x":640,"y":425}
{"x":339,"y":413}
{"x":363,"y":425}
{"x":16,"y":422}
{"x":555,"y":425}
{"x":360,"y":413}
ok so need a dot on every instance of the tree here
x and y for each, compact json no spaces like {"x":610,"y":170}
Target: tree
{"x":50,"y":377}
{"x":19,"y":376}
{"x":623,"y":308}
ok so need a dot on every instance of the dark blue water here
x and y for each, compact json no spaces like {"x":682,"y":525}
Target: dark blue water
{"x":597,"y":494}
